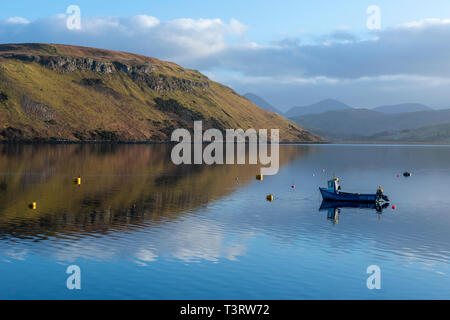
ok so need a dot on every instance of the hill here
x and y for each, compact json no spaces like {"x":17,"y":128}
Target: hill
{"x":364,"y":124}
{"x":439,"y":133}
{"x":316,"y":108}
{"x":402,"y":108}
{"x":58,"y":92}
{"x":260,"y":102}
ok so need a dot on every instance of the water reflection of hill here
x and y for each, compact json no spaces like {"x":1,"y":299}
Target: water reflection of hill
{"x":122,"y":186}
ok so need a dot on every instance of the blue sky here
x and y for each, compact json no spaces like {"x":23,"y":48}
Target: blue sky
{"x":291,"y":52}
{"x":267,"y":19}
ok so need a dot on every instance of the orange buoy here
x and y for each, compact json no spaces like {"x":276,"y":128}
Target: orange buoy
{"x":393,"y":207}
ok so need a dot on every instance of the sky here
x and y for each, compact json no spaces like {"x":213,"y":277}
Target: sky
{"x":290,"y":52}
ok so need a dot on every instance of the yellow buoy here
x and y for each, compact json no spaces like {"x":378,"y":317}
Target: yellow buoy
{"x":77,"y":180}
{"x":259,"y":177}
{"x":33,"y":206}
{"x":269,"y":197}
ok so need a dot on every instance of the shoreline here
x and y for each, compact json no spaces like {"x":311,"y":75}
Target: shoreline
{"x":62,"y":142}
{"x":127,"y":142}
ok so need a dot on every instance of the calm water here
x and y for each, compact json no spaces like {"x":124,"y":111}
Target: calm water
{"x":142,"y":228}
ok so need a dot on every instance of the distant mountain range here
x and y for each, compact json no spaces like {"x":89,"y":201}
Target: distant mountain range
{"x":316,"y":108}
{"x":333,"y":105}
{"x":260,"y":102}
{"x":401,"y":108}
{"x":438,"y":133}
{"x":370,"y":125}
{"x":337,"y":121}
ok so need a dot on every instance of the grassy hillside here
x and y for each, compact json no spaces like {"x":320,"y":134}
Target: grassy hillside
{"x":58,"y":92}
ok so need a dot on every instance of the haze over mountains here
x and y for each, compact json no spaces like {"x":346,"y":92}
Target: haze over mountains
{"x":334,"y":105}
{"x":260,"y":102}
{"x":401,"y":108}
{"x":369,"y":125}
{"x":319,"y":107}
{"x":407,"y":122}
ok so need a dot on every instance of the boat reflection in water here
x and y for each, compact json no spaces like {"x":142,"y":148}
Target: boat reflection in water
{"x":334,"y":207}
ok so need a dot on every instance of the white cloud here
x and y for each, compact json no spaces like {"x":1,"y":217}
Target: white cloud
{"x":424,"y":23}
{"x":418,"y":50}
{"x":145,"y":21}
{"x":17,"y":20}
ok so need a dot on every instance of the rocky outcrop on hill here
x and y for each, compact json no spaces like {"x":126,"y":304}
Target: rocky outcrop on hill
{"x":140,"y":73}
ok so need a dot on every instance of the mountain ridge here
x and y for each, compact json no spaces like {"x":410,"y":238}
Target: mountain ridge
{"x":261,"y":102}
{"x":316,"y":108}
{"x":402,"y":108}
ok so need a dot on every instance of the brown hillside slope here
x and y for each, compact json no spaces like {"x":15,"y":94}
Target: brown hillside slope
{"x":59,"y":92}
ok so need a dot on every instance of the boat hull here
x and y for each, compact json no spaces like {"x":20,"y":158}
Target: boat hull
{"x":343,"y":196}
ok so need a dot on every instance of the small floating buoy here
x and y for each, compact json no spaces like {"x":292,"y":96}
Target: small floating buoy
{"x":293,"y":187}
{"x":77,"y":181}
{"x":394,"y":207}
{"x":269,"y":197}
{"x":407,"y":174}
{"x":314,"y":175}
{"x":259,"y":177}
{"x":32,"y":206}
{"x":323,"y":170}
{"x":398,"y":176}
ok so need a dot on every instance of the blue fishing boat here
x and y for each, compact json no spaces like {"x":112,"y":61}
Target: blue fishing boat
{"x":333,"y":193}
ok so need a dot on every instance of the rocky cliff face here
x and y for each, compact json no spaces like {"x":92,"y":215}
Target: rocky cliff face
{"x":140,"y":73}
{"x":58,"y":92}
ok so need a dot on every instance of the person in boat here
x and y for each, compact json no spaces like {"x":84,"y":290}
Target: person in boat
{"x":380,"y":194}
{"x":379,"y":191}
